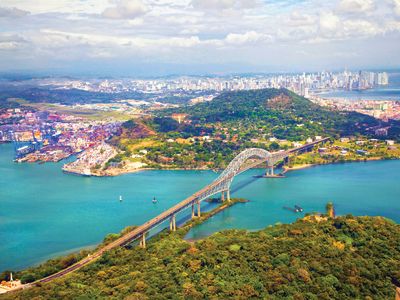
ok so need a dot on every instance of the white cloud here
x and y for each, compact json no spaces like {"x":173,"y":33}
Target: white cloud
{"x":222,"y":4}
{"x":245,"y":38}
{"x":53,"y":38}
{"x":356,"y":6}
{"x":300,"y":19}
{"x":396,"y":5}
{"x":58,"y":6}
{"x":360,"y":28}
{"x":198,"y":30}
{"x":328,"y":22}
{"x":125,"y":9}
{"x":11,"y":42}
{"x":12,"y":12}
{"x":9,"y":45}
{"x":181,"y":20}
{"x":393,"y":26}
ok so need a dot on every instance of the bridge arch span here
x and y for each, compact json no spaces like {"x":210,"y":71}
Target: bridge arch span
{"x":235,"y":166}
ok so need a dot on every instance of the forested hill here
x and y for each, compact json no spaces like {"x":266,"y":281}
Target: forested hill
{"x":256,"y":104}
{"x":280,"y":110}
{"x":343,"y":258}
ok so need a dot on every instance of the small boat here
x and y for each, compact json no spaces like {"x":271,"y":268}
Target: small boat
{"x":299,"y":208}
{"x":291,"y":209}
{"x":154,"y":200}
{"x":120,"y":198}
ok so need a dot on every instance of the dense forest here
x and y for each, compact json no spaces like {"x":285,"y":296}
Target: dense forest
{"x":281,"y":111}
{"x":343,"y":258}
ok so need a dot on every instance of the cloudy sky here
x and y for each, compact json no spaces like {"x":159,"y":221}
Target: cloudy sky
{"x":153,"y":37}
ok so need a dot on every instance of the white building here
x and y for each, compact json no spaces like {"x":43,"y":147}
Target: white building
{"x":389,"y":142}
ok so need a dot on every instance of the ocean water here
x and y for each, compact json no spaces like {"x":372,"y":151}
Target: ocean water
{"x":389,"y":92}
{"x":45,"y":213}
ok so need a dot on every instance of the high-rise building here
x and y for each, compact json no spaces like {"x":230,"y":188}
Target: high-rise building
{"x":383,"y":78}
{"x":371,"y":78}
{"x":360,"y":81}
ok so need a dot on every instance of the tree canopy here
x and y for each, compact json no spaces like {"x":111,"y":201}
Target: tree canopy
{"x":343,"y":258}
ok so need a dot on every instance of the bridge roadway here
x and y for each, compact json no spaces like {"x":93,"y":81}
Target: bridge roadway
{"x":146,"y":227}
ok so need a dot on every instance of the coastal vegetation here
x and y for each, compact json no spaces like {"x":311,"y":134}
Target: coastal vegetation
{"x":343,"y":258}
{"x":349,"y":151}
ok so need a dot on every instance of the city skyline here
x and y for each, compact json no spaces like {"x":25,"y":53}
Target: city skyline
{"x":148,"y":37}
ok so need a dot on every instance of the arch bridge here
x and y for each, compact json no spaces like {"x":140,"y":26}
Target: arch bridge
{"x":249,"y":158}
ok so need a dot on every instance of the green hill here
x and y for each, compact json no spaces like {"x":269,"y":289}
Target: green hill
{"x":281,"y":112}
{"x":345,"y":258}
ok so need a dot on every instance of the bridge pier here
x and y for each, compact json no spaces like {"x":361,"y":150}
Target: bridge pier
{"x":172,"y":223}
{"x":198,"y":209}
{"x":142,"y":242}
{"x":222,"y":196}
{"x":193,"y":210}
{"x":286,"y":160}
{"x":228,"y":195}
{"x":270,"y":171}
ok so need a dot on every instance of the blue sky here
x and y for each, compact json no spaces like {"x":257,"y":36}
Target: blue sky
{"x":153,"y":37}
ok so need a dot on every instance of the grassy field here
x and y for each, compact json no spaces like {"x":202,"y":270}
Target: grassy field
{"x":133,"y":145}
{"x":89,"y":114}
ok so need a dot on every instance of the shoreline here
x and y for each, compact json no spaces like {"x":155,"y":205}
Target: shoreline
{"x":306,"y":166}
{"x":118,"y":172}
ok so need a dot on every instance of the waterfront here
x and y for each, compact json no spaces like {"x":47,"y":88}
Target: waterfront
{"x":44,"y":212}
{"x":389,"y":92}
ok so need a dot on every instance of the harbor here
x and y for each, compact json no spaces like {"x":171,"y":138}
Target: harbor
{"x":42,"y":136}
{"x":91,"y":161}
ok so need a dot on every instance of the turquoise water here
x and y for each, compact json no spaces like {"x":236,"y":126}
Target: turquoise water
{"x":371,"y":94}
{"x":371,"y":188}
{"x":45,"y":213}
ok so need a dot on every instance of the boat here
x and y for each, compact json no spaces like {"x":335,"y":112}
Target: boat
{"x":120,"y":198}
{"x":154,"y":200}
{"x":299,"y":208}
{"x":291,"y":209}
